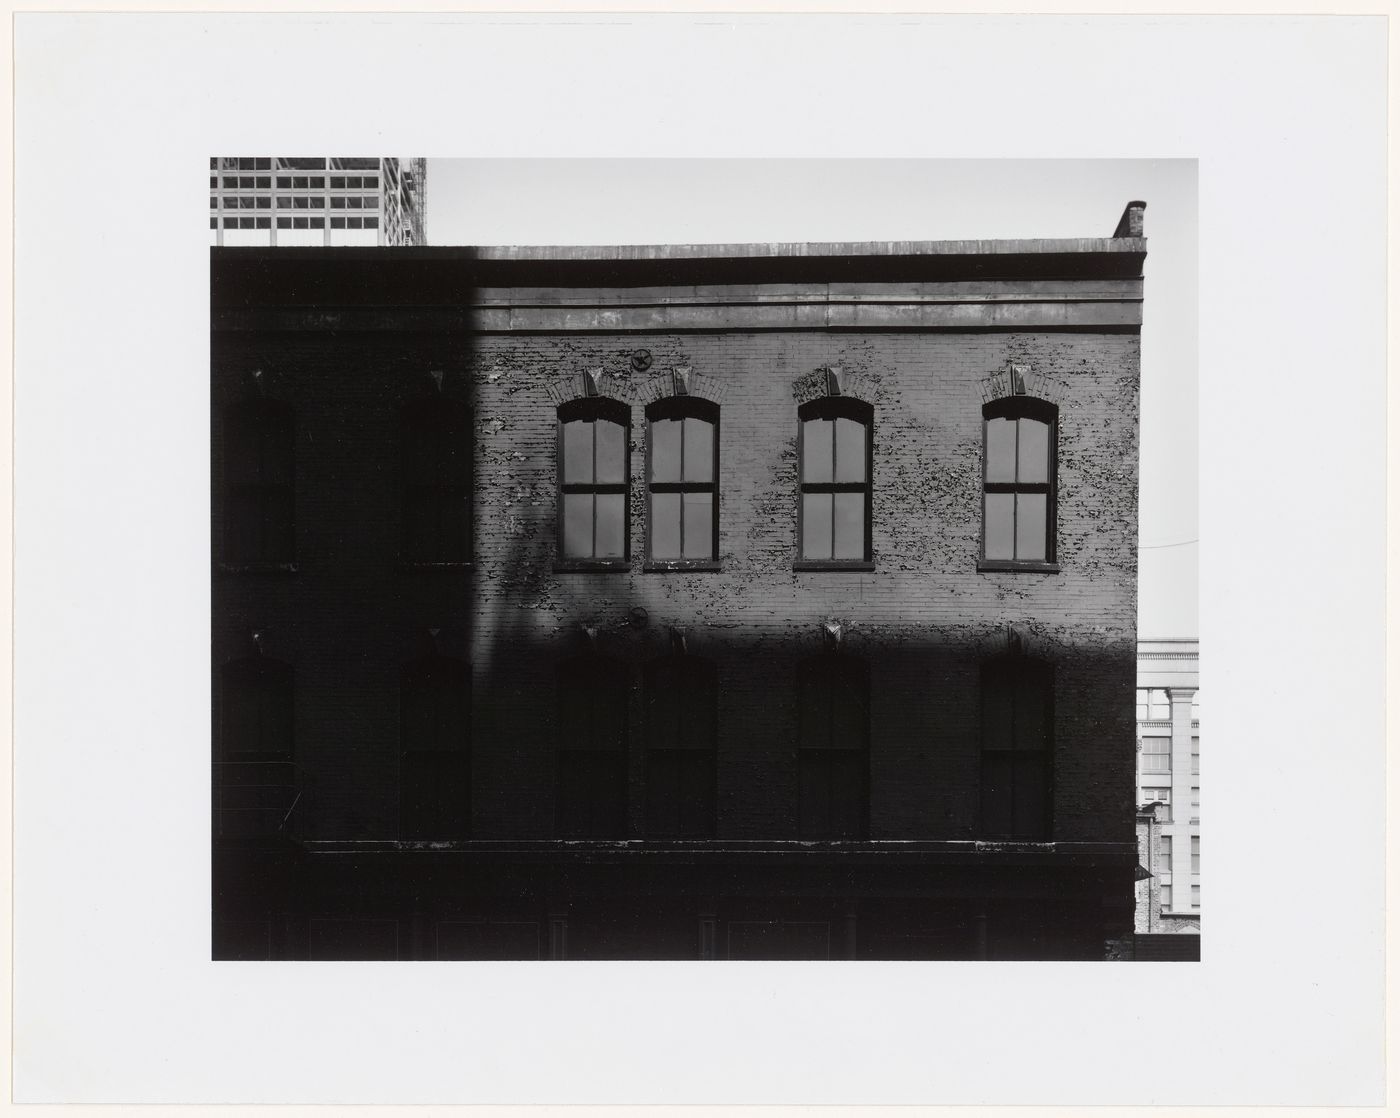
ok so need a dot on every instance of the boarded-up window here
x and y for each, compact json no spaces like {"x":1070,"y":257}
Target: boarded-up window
{"x":258,"y":482}
{"x":591,"y":775}
{"x":437,"y":481}
{"x":435,"y":742}
{"x":1017,"y":748}
{"x":681,"y":698}
{"x":833,"y":747}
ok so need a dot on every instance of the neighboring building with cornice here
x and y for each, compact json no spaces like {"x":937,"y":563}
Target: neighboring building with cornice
{"x":715,"y":602}
{"x":1169,"y":785}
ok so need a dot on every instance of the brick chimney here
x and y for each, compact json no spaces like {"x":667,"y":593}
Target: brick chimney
{"x":1130,"y":224}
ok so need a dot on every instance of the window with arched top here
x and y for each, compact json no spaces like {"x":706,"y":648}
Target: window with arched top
{"x":683,"y":481}
{"x":1020,"y":435}
{"x":435,"y":749}
{"x":436,"y":457}
{"x":590,"y":798}
{"x":1018,"y":718}
{"x":833,"y":746}
{"x":681,"y":702}
{"x":258,"y":483}
{"x":594,"y":477}
{"x":835,"y":456}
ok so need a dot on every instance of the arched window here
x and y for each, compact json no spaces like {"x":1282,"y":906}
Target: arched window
{"x":591,"y":774}
{"x":681,"y":699}
{"x":436,"y":454}
{"x":435,"y":744}
{"x":258,"y":483}
{"x":594,"y":477}
{"x":1017,"y":747}
{"x":833,"y":746}
{"x":1018,"y":483}
{"x":835,"y":453}
{"x":683,"y":481}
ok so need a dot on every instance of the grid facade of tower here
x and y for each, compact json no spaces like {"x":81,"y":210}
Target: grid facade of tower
{"x":315,"y":201}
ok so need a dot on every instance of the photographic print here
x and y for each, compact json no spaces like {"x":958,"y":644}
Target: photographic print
{"x":708,"y":601}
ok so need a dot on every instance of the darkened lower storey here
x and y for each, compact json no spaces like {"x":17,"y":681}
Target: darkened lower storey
{"x":760,"y":900}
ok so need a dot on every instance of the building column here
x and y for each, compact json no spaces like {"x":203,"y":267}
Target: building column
{"x":709,"y":935}
{"x":558,"y":935}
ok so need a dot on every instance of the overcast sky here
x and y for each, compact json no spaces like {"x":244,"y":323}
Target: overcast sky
{"x":507,"y":201}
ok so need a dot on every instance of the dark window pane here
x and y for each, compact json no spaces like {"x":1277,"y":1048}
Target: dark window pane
{"x":1032,"y":699}
{"x":591,"y":797}
{"x":832,"y":794}
{"x":284,"y":223}
{"x":666,"y":450}
{"x":699,"y":525}
{"x":998,"y":714}
{"x":1028,"y":798}
{"x":353,"y":202}
{"x":578,"y":452}
{"x":816,"y":525}
{"x":999,"y":516}
{"x":680,"y":793}
{"x":850,"y":450}
{"x":337,"y":203}
{"x":1030,"y":525}
{"x":1001,"y":450}
{"x":1032,"y":459}
{"x":849,"y":517}
{"x":337,"y":182}
{"x":699,"y":450}
{"x":814,"y":706}
{"x":435,"y":796}
{"x":997,"y":793}
{"x":666,"y":525}
{"x":611,"y":458}
{"x":850,"y":719}
{"x":264,"y":222}
{"x":610,"y":533}
{"x":578,"y":525}
{"x":371,"y":223}
{"x":817,"y":463}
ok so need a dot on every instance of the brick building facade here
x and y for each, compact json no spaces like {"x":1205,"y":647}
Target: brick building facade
{"x":686,"y":602}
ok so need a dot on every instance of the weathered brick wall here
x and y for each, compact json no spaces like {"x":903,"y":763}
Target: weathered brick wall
{"x":924,"y":618}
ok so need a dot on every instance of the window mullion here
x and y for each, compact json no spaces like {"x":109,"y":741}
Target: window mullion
{"x":835,"y":473}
